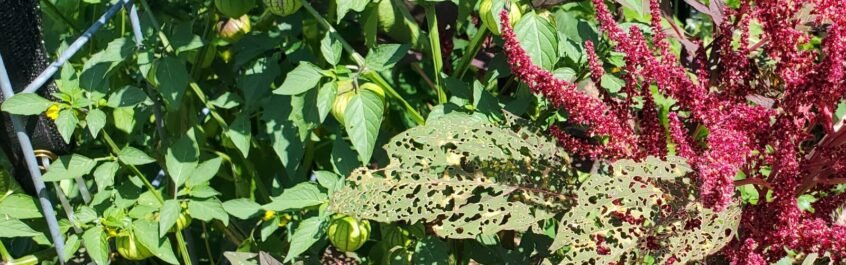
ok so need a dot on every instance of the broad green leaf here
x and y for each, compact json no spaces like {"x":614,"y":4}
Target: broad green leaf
{"x":172,"y":79}
{"x":611,"y":83}
{"x":183,"y":39}
{"x":26,"y":104}
{"x":538,"y":38}
{"x":242,"y":208}
{"x":327,"y":179}
{"x":431,"y":251}
{"x":299,"y":80}
{"x":124,"y":119}
{"x":96,"y":245}
{"x":71,"y":246}
{"x":181,"y":159}
{"x":127,"y":96}
{"x":69,"y":167}
{"x":268,"y":227}
{"x":257,"y":80}
{"x":15,"y":228}
{"x":96,"y":121}
{"x":385,"y":56}
{"x":133,"y":156}
{"x":308,"y":232}
{"x":147,"y":233}
{"x":344,"y":158}
{"x":331,"y":47}
{"x":283,"y":132}
{"x":363,"y":118}
{"x":227,"y":101}
{"x":168,"y":215}
{"x":240,"y":258}
{"x":204,"y":172}
{"x":201,"y":191}
{"x":19,"y":206}
{"x":207,"y":210}
{"x":104,"y":175}
{"x":86,"y":214}
{"x":66,"y":124}
{"x":326,"y":98}
{"x":300,"y":196}
{"x":345,"y":6}
{"x":240,"y":132}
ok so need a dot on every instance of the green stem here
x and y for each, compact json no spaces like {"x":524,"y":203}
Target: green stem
{"x":183,"y":248}
{"x":26,"y":260}
{"x":359,"y":60}
{"x":471,"y":51}
{"x":4,"y":253}
{"x":116,"y":150}
{"x":435,"y":50}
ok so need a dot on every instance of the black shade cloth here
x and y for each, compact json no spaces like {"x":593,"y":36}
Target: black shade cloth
{"x":22,"y":48}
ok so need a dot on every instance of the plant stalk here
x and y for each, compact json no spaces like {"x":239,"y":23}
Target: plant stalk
{"x":471,"y":51}
{"x":435,"y":50}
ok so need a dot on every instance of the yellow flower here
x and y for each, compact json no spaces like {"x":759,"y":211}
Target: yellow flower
{"x":268,"y":215}
{"x":52,"y":112}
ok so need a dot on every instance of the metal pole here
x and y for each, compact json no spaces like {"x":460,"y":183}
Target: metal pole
{"x":48,"y":73}
{"x":32,"y":165}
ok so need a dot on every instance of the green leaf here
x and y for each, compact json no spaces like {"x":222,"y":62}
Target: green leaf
{"x":363,"y":118}
{"x":19,"y":206}
{"x":327,"y":179}
{"x":611,"y":83}
{"x":300,"y":80}
{"x":69,"y":167}
{"x":331,"y":47}
{"x":538,"y":38}
{"x":298,"y":197}
{"x":257,"y":80}
{"x":240,"y":132}
{"x":284,"y":133}
{"x":204,"y":172}
{"x":344,"y":158}
{"x":26,"y":104}
{"x":805,"y":202}
{"x":104,"y":175}
{"x":385,"y":56}
{"x":202,"y":192}
{"x":96,"y":121}
{"x":71,"y":246}
{"x":268,"y":227}
{"x":207,"y":210}
{"x":181,"y":159}
{"x":345,"y":6}
{"x":86,"y":214}
{"x":308,"y":232}
{"x":133,"y":156}
{"x":127,"y":96}
{"x":227,"y":100}
{"x":66,"y":124}
{"x":431,"y":250}
{"x":147,"y":233}
{"x":15,"y":228}
{"x":326,"y":98}
{"x":124,"y":119}
{"x":96,"y":245}
{"x":168,"y":215}
{"x":173,"y":80}
{"x":242,"y":208}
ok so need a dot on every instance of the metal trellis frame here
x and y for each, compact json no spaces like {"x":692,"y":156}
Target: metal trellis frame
{"x":45,"y":76}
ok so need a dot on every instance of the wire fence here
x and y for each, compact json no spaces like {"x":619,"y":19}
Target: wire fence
{"x":17,"y":123}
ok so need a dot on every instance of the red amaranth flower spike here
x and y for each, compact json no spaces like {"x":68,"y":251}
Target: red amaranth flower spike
{"x":582,"y":108}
